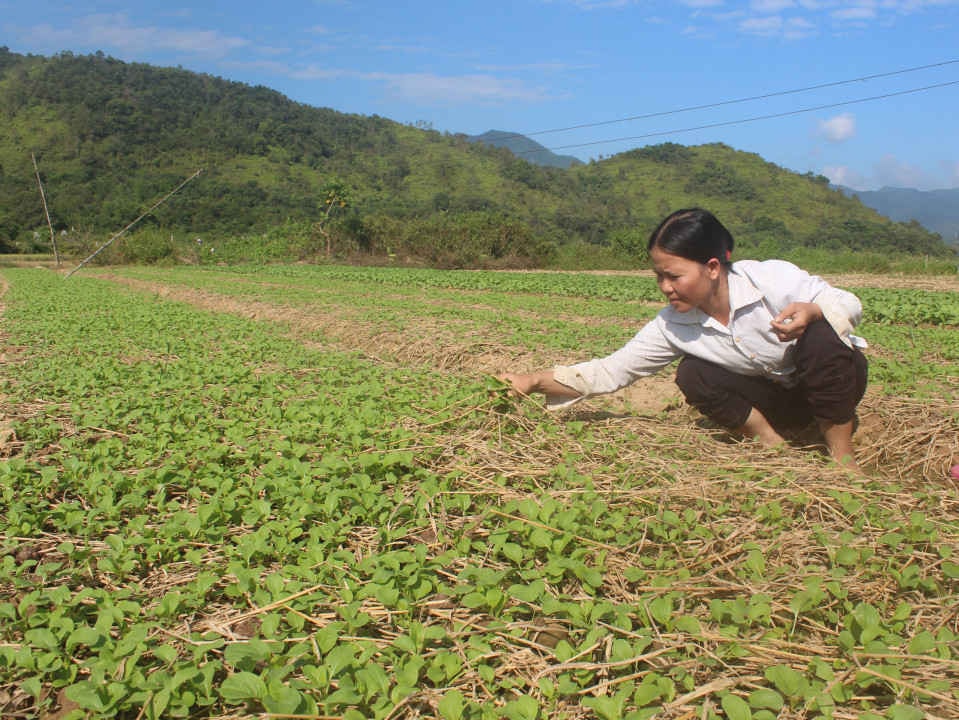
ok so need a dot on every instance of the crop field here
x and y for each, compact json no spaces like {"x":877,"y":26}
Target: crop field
{"x":299,"y":492}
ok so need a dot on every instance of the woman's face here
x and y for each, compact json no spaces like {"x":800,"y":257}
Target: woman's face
{"x":687,"y":284}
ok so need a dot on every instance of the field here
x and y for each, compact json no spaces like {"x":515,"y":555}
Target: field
{"x":298,"y":492}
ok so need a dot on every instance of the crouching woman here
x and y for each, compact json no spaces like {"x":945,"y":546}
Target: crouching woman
{"x":763,"y":346}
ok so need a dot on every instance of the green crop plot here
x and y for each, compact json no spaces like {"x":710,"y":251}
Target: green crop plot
{"x":296,"y":492}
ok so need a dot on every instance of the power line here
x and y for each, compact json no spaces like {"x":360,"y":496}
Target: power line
{"x":747,"y":120}
{"x":723,"y":103}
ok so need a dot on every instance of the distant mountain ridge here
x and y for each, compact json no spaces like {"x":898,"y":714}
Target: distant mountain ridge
{"x":935,"y":210}
{"x":526,"y":149}
{"x":109,"y":137}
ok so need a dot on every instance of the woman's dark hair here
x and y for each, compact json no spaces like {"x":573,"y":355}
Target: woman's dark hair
{"x":694,"y":234}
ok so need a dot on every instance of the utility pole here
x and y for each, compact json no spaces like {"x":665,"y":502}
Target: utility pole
{"x":43,"y":198}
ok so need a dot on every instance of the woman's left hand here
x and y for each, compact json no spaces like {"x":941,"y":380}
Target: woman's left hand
{"x":792,"y":322}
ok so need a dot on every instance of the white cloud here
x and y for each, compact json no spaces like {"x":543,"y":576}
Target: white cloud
{"x":431,"y":88}
{"x":908,"y":6}
{"x":839,"y":128}
{"x":404,"y":48}
{"x":844,"y":175}
{"x":600,"y":4}
{"x":111,"y":32}
{"x":536,"y":67}
{"x":318,"y":72}
{"x":764,"y":26}
{"x":855,"y":13}
{"x":427,"y":87}
{"x":892,"y":172}
{"x":798,"y":28}
{"x":771,"y":6}
{"x":799,"y":19}
{"x":265,"y":66}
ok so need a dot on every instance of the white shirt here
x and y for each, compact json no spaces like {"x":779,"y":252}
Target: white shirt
{"x":758,"y":292}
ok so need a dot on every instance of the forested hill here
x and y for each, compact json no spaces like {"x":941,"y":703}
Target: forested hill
{"x":111,"y":138}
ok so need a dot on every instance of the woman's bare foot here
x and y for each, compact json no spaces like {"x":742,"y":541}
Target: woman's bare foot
{"x":758,"y":427}
{"x":838,"y":438}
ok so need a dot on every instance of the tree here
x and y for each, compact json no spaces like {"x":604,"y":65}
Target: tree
{"x":335,"y":198}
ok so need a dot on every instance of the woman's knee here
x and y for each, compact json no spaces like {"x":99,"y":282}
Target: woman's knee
{"x":832,"y":374}
{"x":709,"y":389}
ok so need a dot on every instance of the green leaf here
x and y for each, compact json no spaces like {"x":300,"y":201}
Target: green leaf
{"x":282,"y":699}
{"x":528,"y":593}
{"x":84,"y":635}
{"x":950,"y":569}
{"x":32,"y":686}
{"x":608,"y":708}
{"x":523,"y":708}
{"x":41,"y":638}
{"x":847,"y":556}
{"x":513,"y":551}
{"x":165,"y":653}
{"x":647,"y":692}
{"x":905,"y":712}
{"x":789,"y":682}
{"x":373,"y":679}
{"x":688,"y":624}
{"x":736,"y":708}
{"x":924,"y":642}
{"x":241,"y":687}
{"x":340,"y":657}
{"x":87,"y":695}
{"x":244,"y":655}
{"x":866,"y":623}
{"x":661,"y":609}
{"x":765,"y":698}
{"x":451,"y":705}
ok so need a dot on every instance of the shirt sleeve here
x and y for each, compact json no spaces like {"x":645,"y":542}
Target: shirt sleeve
{"x":840,"y":308}
{"x":843,"y":311}
{"x":646,"y":353}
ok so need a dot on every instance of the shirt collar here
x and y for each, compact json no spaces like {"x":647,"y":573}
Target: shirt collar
{"x":741,"y":294}
{"x":741,"y":291}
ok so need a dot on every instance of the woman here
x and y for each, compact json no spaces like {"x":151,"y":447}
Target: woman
{"x":763,"y":345}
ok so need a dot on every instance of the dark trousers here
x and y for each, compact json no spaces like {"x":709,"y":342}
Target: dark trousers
{"x":832,"y":381}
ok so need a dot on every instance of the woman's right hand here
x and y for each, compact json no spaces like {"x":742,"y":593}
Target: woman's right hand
{"x":522,"y":384}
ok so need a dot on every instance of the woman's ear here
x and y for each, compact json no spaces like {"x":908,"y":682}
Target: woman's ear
{"x":713,"y":268}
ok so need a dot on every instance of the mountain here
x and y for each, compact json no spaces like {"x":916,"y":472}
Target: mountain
{"x":111,"y":138}
{"x":936,"y":210}
{"x":525,"y":149}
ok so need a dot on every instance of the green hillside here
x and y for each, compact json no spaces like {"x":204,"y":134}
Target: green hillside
{"x":111,"y":138}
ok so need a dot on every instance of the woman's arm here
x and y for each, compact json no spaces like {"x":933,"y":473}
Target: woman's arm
{"x":792,"y":322}
{"x":543,"y":381}
{"x":804,"y":298}
{"x":647,"y":352}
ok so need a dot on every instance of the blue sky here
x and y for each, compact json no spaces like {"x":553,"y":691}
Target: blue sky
{"x":627,"y":70}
